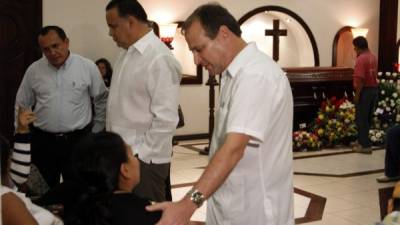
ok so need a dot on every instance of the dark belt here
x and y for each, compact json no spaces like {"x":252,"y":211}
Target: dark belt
{"x":65,"y":135}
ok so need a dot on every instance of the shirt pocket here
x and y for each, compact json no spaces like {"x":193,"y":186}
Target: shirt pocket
{"x":77,"y":91}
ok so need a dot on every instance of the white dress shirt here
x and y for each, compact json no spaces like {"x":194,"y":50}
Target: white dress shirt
{"x":255,"y":100}
{"x":62,"y":97}
{"x":143,"y":101}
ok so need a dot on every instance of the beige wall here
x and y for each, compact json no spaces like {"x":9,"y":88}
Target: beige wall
{"x":84,"y":22}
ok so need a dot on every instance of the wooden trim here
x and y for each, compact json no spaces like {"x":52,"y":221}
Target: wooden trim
{"x":318,"y":74}
{"x":335,"y":42}
{"x":341,"y":175}
{"x":189,"y":137}
{"x":294,"y":16}
{"x":396,"y":56}
{"x":384,"y":195}
{"x":315,"y":209}
{"x":387,"y":34}
{"x":190,"y":79}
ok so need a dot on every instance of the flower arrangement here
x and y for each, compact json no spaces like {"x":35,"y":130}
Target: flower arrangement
{"x":335,"y":122}
{"x":388,"y":107}
{"x":305,"y":141}
{"x":377,"y":137}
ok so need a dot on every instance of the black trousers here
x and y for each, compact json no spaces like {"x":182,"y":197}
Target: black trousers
{"x":364,"y":112}
{"x":51,"y":153}
{"x":392,"y":156}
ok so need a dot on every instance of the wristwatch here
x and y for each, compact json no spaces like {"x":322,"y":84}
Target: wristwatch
{"x":196,"y":197}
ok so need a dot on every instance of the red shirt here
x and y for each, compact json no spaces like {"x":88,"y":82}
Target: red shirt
{"x":366,"y":69}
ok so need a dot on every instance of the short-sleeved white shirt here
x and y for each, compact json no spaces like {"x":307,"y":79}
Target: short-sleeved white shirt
{"x":255,"y":100}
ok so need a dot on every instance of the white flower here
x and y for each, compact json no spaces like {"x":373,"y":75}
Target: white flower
{"x":378,"y":135}
{"x":394,"y":74}
{"x":387,"y":74}
{"x":395,"y":95}
{"x":379,"y":73}
{"x":392,"y":104}
{"x":383,"y":91}
{"x":383,"y":81}
{"x":391,"y":81}
{"x":373,"y":139}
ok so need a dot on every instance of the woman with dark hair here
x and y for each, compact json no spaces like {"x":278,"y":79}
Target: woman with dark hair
{"x":105,"y":70}
{"x":109,"y":171}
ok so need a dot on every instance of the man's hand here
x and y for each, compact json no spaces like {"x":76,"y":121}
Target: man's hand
{"x":25,"y":117}
{"x":174,"y":213}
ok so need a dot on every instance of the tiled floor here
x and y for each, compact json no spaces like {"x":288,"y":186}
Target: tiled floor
{"x":351,"y":198}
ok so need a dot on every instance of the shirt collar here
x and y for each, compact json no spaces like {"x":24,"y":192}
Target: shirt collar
{"x":240,"y":59}
{"x":143,"y":42}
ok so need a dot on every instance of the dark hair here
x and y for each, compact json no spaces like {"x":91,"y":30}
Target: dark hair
{"x":60,"y":32}
{"x":360,"y":42}
{"x":109,"y":70}
{"x":128,"y":8}
{"x":5,"y":155}
{"x":96,"y":162}
{"x":211,"y":18}
{"x":396,"y":204}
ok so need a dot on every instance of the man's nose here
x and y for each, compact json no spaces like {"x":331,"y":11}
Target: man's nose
{"x":197,"y":59}
{"x":53,"y":51}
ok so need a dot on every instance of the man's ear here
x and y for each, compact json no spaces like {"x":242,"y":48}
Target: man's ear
{"x":123,"y":170}
{"x":131,"y":20}
{"x":224,"y":32}
{"x":66,"y":41}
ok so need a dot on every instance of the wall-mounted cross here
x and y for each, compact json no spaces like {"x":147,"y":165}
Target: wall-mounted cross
{"x":275,"y":33}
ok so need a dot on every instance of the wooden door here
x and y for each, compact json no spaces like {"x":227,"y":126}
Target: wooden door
{"x":20,"y":21}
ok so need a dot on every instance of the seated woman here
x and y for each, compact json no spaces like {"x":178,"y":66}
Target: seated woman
{"x":16,"y":208}
{"x":108,"y":170}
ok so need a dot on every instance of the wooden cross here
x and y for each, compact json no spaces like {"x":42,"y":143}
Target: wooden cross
{"x":275,"y":33}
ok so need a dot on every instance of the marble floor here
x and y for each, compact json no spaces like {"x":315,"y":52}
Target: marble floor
{"x":332,"y":187}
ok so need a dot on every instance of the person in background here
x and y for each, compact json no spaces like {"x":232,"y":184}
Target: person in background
{"x":105,"y":70}
{"x":107,"y":171}
{"x":249,"y":177}
{"x":143,"y":103}
{"x":16,"y":209}
{"x":60,"y":88}
{"x":366,"y":93}
{"x":392,"y":156}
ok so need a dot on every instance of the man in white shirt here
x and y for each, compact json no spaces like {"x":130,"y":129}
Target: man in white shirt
{"x":249,"y":177}
{"x":143,"y":99}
